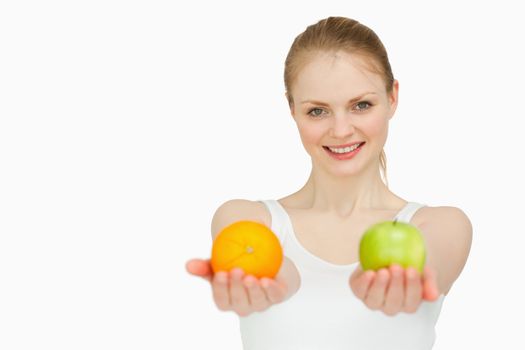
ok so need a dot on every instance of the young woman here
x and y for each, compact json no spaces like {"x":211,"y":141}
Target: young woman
{"x":342,"y":95}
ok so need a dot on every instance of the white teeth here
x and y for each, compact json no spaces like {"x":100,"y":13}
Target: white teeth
{"x":344,"y":150}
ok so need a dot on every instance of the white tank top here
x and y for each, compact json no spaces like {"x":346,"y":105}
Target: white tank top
{"x":325,"y":314}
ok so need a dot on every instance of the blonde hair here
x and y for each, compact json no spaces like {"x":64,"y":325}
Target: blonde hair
{"x":339,"y":34}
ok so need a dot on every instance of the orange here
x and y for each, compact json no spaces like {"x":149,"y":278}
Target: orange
{"x":250,"y":246}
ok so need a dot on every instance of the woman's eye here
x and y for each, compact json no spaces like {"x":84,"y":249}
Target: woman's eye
{"x":360,"y":106}
{"x":365,"y":103}
{"x":313,"y":112}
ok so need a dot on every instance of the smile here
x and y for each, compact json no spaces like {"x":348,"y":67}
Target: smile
{"x":344,"y":153}
{"x":345,"y":149}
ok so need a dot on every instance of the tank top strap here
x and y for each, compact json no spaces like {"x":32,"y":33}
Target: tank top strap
{"x":280,"y":219}
{"x":408,"y":211}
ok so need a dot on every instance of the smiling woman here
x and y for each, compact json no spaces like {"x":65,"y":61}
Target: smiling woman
{"x":342,"y":95}
{"x":333,"y":36}
{"x":326,"y":118}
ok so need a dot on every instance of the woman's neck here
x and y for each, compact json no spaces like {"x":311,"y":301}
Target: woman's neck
{"x":343,"y":195}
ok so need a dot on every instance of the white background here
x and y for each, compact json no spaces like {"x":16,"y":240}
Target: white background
{"x":125,"y":124}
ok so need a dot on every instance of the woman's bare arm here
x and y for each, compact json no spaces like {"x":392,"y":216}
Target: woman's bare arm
{"x":235,"y":291}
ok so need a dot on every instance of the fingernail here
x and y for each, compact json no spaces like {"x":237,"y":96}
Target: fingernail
{"x":236,"y":273}
{"x":248,"y":282}
{"x":221,"y":277}
{"x":383,"y":275}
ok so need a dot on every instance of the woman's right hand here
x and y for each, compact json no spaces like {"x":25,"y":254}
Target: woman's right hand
{"x":235,"y":291}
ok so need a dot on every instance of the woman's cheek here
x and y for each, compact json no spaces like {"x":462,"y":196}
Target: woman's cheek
{"x":376,"y":126}
{"x":311,"y":137}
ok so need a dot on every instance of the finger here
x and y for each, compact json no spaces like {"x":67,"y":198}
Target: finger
{"x":414,"y":290}
{"x":357,"y":273}
{"x":376,"y":293}
{"x":430,"y":288}
{"x":360,"y":282}
{"x":275,"y":292}
{"x":395,"y":293}
{"x":200,"y":267}
{"x":256,"y":295}
{"x":219,"y":285}
{"x":238,"y":293}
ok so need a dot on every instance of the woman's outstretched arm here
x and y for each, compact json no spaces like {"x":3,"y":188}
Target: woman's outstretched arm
{"x":448,"y":237}
{"x":234,"y":290}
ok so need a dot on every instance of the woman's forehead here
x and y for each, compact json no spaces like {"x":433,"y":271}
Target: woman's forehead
{"x":332,"y":73}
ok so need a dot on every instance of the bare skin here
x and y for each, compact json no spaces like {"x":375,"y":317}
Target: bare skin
{"x":336,"y":100}
{"x":237,"y":292}
{"x":234,"y":290}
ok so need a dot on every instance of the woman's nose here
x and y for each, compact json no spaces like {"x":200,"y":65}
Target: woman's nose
{"x":342,"y":127}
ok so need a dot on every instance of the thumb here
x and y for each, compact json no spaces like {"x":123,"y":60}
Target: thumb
{"x":200,"y":267}
{"x":430,"y":287}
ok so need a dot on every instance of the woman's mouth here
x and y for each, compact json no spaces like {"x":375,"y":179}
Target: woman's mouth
{"x":344,"y":153}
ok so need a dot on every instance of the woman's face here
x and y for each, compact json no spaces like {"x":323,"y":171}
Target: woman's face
{"x":337,"y":101}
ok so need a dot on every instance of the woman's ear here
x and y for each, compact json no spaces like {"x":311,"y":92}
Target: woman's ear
{"x":393,"y":99}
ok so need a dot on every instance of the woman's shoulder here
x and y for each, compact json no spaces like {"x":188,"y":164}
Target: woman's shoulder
{"x":441,"y":214}
{"x":443,"y":225}
{"x":448,"y":236}
{"x":234,"y":210}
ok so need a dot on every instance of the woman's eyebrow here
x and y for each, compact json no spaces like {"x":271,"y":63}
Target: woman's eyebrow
{"x":350,"y":101}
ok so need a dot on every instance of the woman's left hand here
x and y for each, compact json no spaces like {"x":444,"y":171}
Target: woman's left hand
{"x":394,"y":289}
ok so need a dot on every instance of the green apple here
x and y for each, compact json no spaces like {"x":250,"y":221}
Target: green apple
{"x":392,"y":242}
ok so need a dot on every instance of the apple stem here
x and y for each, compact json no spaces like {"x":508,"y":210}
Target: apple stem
{"x":395,"y":221}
